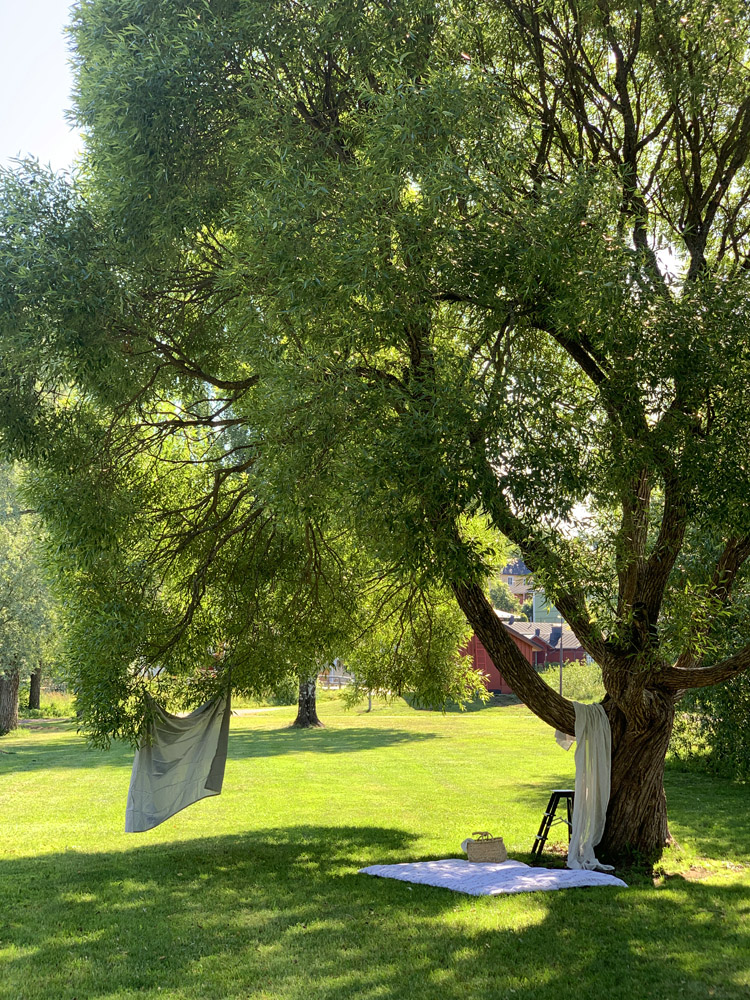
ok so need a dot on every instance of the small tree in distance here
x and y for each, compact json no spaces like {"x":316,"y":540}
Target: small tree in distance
{"x":502,"y":598}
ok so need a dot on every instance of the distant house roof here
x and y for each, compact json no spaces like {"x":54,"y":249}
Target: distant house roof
{"x":533,"y":640}
{"x":548,"y":633}
{"x":516,"y":567}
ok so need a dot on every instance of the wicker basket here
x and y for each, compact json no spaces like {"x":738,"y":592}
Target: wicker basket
{"x":486,"y":848}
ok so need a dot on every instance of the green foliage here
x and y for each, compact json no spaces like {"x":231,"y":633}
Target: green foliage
{"x":52,"y":705}
{"x":582,"y":681}
{"x":168,"y":582}
{"x":396,"y":659}
{"x":285,"y":692}
{"x":502,"y":598}
{"x":341,"y":295}
{"x":28,"y":615}
{"x":688,"y":747}
{"x":711,"y":729}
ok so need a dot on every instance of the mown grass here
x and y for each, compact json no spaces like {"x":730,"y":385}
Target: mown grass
{"x":256,"y":893}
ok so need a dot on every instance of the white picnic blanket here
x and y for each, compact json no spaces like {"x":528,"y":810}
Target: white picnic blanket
{"x":491,"y":880}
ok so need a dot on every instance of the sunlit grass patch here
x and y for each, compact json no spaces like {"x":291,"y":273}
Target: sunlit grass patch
{"x":256,"y":894}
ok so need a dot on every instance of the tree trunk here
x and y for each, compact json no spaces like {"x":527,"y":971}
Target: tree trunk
{"x":636,"y":824}
{"x":307,"y":715}
{"x":637,"y":814}
{"x":9,"y":684}
{"x":35,"y":688}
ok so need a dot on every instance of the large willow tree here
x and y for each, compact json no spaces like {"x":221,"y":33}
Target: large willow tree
{"x":411,"y":265}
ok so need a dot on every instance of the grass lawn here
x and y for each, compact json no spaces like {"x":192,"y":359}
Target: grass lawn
{"x":255,"y":893}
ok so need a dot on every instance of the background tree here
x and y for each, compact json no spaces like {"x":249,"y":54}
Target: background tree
{"x":711,"y":729}
{"x":501,"y":597}
{"x":28,"y":624}
{"x":712,"y":723}
{"x":416,"y":255}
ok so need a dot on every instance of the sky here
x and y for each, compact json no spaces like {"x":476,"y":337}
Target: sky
{"x":35,"y":82}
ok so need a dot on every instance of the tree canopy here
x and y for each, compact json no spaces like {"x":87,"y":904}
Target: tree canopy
{"x":419,"y":274}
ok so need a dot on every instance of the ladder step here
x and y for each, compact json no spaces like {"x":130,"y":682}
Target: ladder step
{"x":549,"y":818}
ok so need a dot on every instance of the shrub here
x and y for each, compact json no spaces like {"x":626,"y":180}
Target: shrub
{"x":582,"y":681}
{"x":52,"y":705}
{"x":711,"y":729}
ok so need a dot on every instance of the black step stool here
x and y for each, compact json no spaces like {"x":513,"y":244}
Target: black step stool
{"x":558,"y":794}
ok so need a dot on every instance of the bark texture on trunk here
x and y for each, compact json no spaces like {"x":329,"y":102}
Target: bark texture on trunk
{"x":9,"y":684}
{"x":307,"y":715}
{"x":637,"y":813}
{"x":35,"y":688}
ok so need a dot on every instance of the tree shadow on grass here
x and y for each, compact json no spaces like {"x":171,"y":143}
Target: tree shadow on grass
{"x":288,"y":740}
{"x":243,"y":743}
{"x":476,"y":705}
{"x":282,"y":914}
{"x":61,"y":752}
{"x":58,"y":724}
{"x":712,"y":813}
{"x":711,"y":816}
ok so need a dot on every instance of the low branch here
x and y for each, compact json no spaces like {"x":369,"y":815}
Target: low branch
{"x":681,"y":678}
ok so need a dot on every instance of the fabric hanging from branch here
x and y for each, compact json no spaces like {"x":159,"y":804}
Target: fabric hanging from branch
{"x":593,"y":765}
{"x":180,"y":762}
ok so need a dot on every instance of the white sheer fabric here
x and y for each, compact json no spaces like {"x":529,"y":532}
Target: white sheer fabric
{"x":593,"y":763}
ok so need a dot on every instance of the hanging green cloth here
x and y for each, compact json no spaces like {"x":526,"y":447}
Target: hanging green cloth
{"x":181,"y":761}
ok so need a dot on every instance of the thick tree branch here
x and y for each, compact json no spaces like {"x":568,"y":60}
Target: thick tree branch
{"x":678,"y":678}
{"x":582,"y":352}
{"x":570,"y":598}
{"x":376,"y":376}
{"x":543,"y":701}
{"x":186,"y":366}
{"x":735,"y":554}
{"x":631,"y":540}
{"x":666,"y":548}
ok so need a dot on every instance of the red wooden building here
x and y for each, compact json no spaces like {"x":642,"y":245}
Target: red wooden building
{"x":493,"y":679}
{"x":539,"y":644}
